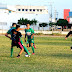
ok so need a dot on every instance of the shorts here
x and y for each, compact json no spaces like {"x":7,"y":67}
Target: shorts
{"x":30,"y":44}
{"x":30,"y":41}
{"x":18,"y":44}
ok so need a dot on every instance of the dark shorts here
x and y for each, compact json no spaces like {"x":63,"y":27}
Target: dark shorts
{"x":18,"y":44}
{"x":30,"y":44}
{"x":30,"y":41}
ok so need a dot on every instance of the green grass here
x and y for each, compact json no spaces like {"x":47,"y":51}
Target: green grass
{"x":52,"y":55}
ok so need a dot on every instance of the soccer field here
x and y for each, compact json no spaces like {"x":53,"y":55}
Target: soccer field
{"x":52,"y":55}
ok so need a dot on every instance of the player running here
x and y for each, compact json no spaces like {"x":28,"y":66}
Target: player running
{"x":68,"y":36}
{"x":30,"y":37}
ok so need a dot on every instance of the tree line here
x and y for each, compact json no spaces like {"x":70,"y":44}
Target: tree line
{"x":60,"y":22}
{"x":23,"y":21}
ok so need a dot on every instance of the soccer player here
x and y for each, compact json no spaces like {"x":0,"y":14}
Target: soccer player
{"x":16,"y":40}
{"x":30,"y":37}
{"x":68,"y":36}
{"x":10,"y":32}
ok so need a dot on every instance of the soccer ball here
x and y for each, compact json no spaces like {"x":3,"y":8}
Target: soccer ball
{"x":26,"y":55}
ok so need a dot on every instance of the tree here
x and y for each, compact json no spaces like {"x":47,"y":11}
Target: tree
{"x":26,"y":21}
{"x":23,"y":21}
{"x":62,"y":22}
{"x":43,"y":25}
{"x":52,"y":23}
{"x":34,"y":21}
{"x":20,"y":21}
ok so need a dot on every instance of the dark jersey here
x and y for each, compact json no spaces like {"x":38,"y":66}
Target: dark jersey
{"x":16,"y":36}
{"x":69,"y":33}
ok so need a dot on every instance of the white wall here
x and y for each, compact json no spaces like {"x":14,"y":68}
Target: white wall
{"x":13,"y":17}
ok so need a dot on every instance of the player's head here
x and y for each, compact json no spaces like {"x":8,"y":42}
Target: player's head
{"x":28,"y":25}
{"x":14,"y":25}
{"x":17,"y":27}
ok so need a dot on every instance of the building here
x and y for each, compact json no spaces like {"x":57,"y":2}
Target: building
{"x":66,"y":14}
{"x":10,"y":14}
{"x":31,"y":9}
{"x":70,"y":16}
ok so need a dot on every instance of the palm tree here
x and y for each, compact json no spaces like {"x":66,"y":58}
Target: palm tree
{"x":20,"y":21}
{"x":23,"y":21}
{"x":43,"y":25}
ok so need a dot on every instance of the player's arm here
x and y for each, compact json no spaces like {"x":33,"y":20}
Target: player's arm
{"x":8,"y":32}
{"x":7,"y":36}
{"x":32,"y":33}
{"x":68,"y":34}
{"x":22,"y":28}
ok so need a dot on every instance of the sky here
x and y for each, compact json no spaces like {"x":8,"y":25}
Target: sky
{"x":58,"y":5}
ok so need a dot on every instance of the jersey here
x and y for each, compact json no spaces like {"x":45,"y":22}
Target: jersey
{"x":10,"y":31}
{"x":29,"y":33}
{"x":16,"y":37}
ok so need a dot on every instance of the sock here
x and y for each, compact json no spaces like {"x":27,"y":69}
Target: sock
{"x":11,"y":51}
{"x":33,"y":49}
{"x":25,"y":49}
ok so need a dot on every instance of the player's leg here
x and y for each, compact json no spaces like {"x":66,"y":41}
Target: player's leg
{"x":12,"y":45}
{"x":21,"y":51}
{"x":11,"y":51}
{"x":32,"y":41}
{"x":27,"y":43}
{"x":21,"y":47}
{"x":21,"y":41}
{"x":32,"y":48}
{"x":25,"y":49}
{"x":34,"y":45}
{"x":11,"y":48}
